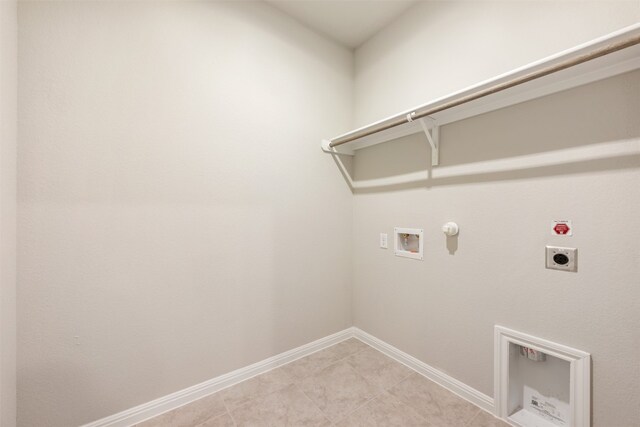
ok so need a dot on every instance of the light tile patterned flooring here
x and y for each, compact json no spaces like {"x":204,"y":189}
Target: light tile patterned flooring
{"x":348,"y":384}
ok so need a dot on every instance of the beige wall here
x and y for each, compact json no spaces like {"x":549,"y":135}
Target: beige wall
{"x":503,"y":177}
{"x":438,"y":47}
{"x":178,"y":221}
{"x":177,"y":218}
{"x":8,"y":141}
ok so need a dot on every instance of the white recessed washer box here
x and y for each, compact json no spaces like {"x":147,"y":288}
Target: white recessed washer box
{"x":409,"y":242}
{"x":549,"y":387}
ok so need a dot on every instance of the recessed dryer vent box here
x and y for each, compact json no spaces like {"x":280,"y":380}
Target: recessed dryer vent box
{"x":540,"y":383}
{"x":409,"y":242}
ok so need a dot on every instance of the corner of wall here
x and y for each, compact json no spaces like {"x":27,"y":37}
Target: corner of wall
{"x":8,"y":138}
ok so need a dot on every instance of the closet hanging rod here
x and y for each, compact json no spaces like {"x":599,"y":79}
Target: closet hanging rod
{"x":426,"y":111}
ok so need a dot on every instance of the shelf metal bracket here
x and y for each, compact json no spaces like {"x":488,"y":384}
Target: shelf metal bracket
{"x":432,"y":131}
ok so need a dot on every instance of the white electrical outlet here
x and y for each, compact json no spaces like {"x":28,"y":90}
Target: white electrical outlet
{"x":384,"y":241}
{"x":561,"y":258}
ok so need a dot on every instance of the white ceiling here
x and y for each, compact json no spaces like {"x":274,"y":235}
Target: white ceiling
{"x":350,"y":22}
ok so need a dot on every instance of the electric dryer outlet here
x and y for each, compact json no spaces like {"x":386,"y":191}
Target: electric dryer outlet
{"x":559,"y":258}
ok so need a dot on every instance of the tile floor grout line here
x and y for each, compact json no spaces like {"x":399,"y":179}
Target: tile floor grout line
{"x":307,"y":355}
{"x":390,"y":362}
{"x":414,"y":372}
{"x":314,"y":404}
{"x":295,"y":381}
{"x":410,"y":408}
{"x":330,"y":364}
{"x":380,"y":392}
{"x":468,"y":424}
{"x":233,"y":420}
{"x":262,"y":397}
{"x":388,"y":390}
{"x":228,"y":412}
{"x":342,"y":359}
{"x":360,"y":407}
{"x":258,"y":397}
{"x":288,"y":363}
{"x":411,"y":372}
{"x":401,"y":381}
{"x":357,"y":373}
{"x":217,"y":417}
{"x":366,"y":402}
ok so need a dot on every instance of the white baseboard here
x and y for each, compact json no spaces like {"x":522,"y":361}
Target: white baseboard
{"x":464,"y":391}
{"x":175,"y":400}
